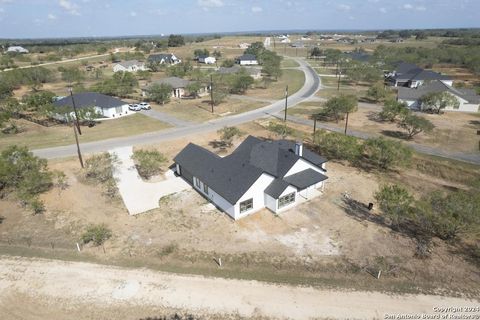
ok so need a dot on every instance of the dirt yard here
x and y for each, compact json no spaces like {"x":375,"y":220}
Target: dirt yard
{"x":323,"y":242}
{"x":88,"y":291}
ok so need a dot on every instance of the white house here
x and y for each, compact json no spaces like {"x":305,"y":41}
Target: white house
{"x":104,"y":106}
{"x":244,"y":45}
{"x":259,"y":174}
{"x":17,"y":49}
{"x":163,"y":58}
{"x":468,"y":100}
{"x":179,"y":87}
{"x":207,"y":59}
{"x":129,"y":66}
{"x":412,"y":76}
{"x":247,"y":60}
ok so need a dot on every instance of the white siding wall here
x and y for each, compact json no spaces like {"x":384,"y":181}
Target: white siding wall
{"x":112,"y":112}
{"x":288,"y":190}
{"x":217,"y":199}
{"x":256,"y":191}
{"x":301,"y":165}
{"x":270,"y":203}
{"x":248,"y":62}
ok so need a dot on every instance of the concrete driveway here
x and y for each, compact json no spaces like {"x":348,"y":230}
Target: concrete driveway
{"x":140,"y":196}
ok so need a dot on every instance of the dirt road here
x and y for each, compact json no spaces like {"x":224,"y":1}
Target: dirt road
{"x":83,"y":287}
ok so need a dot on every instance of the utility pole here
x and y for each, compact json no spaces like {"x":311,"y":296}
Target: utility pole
{"x":78,"y":145}
{"x":346,"y":123}
{"x":314,"y":126}
{"x":211,"y":90}
{"x":286,"y":104}
{"x":77,"y":122}
{"x":339,"y":77}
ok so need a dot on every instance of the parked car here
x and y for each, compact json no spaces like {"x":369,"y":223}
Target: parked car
{"x":134,"y":107}
{"x":145,"y":105}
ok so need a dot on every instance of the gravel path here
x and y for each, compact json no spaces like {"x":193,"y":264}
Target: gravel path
{"x":69,"y":284}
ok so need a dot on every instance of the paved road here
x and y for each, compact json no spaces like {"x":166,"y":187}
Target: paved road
{"x":466,"y":157}
{"x":165,"y":117}
{"x":83,"y":288}
{"x":310,"y":87}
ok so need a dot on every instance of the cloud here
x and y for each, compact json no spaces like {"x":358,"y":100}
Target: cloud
{"x":51,"y":16}
{"x":210,"y":3}
{"x":133,"y":13}
{"x":382,"y":10}
{"x":2,"y":10}
{"x":344,"y":7}
{"x":69,"y":6}
{"x":256,"y":9}
{"x":408,"y":6}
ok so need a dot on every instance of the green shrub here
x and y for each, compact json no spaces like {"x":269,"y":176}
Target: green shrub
{"x":99,"y":169}
{"x":97,"y":234}
{"x":384,"y":154}
{"x":148,"y":162}
{"x":395,"y":202}
{"x":337,"y":146}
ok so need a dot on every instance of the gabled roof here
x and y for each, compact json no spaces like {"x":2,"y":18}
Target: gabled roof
{"x":434,"y":87}
{"x":130,"y":63}
{"x":175,"y":82}
{"x":158,"y":57}
{"x":234,"y":174}
{"x":305,"y":178}
{"x":408,"y":71}
{"x":90,"y":99}
{"x":276,"y":188}
{"x":247,"y":56}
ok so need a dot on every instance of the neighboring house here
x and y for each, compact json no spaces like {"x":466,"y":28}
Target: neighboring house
{"x":297,"y":44}
{"x":305,"y":38}
{"x":206,"y":59}
{"x":104,"y":105}
{"x":259,"y":174}
{"x":163,"y":58}
{"x":255,"y":73}
{"x":179,"y":87}
{"x":244,"y":45}
{"x":285,"y":40}
{"x":468,"y":99}
{"x":247,"y":60}
{"x":17,"y":49}
{"x":129,"y":66}
{"x":412,"y":76}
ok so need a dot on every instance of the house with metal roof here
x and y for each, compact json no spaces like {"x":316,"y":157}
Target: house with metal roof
{"x":469,"y":100}
{"x":129,"y":66}
{"x":103,"y":105}
{"x":259,"y":174}
{"x":412,"y":76}
{"x":247,"y":60}
{"x":17,"y":49}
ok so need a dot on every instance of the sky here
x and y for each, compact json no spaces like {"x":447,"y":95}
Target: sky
{"x":77,"y":18}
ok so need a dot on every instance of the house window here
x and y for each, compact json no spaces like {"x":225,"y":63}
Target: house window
{"x":286,"y":200}
{"x":205,"y":188}
{"x":197,"y":183}
{"x":118,"y":109}
{"x":246,"y":205}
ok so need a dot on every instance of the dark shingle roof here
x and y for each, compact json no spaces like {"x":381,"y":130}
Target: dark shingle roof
{"x":175,"y":82}
{"x":276,"y":188}
{"x":234,"y":174}
{"x":305,"y":178}
{"x":408,"y":71}
{"x":247,"y":56}
{"x":130,"y":63}
{"x":89,"y":99}
{"x":434,"y":87}
{"x":158,"y":57}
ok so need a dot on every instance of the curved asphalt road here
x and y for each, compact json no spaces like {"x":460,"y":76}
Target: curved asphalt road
{"x":310,"y":87}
